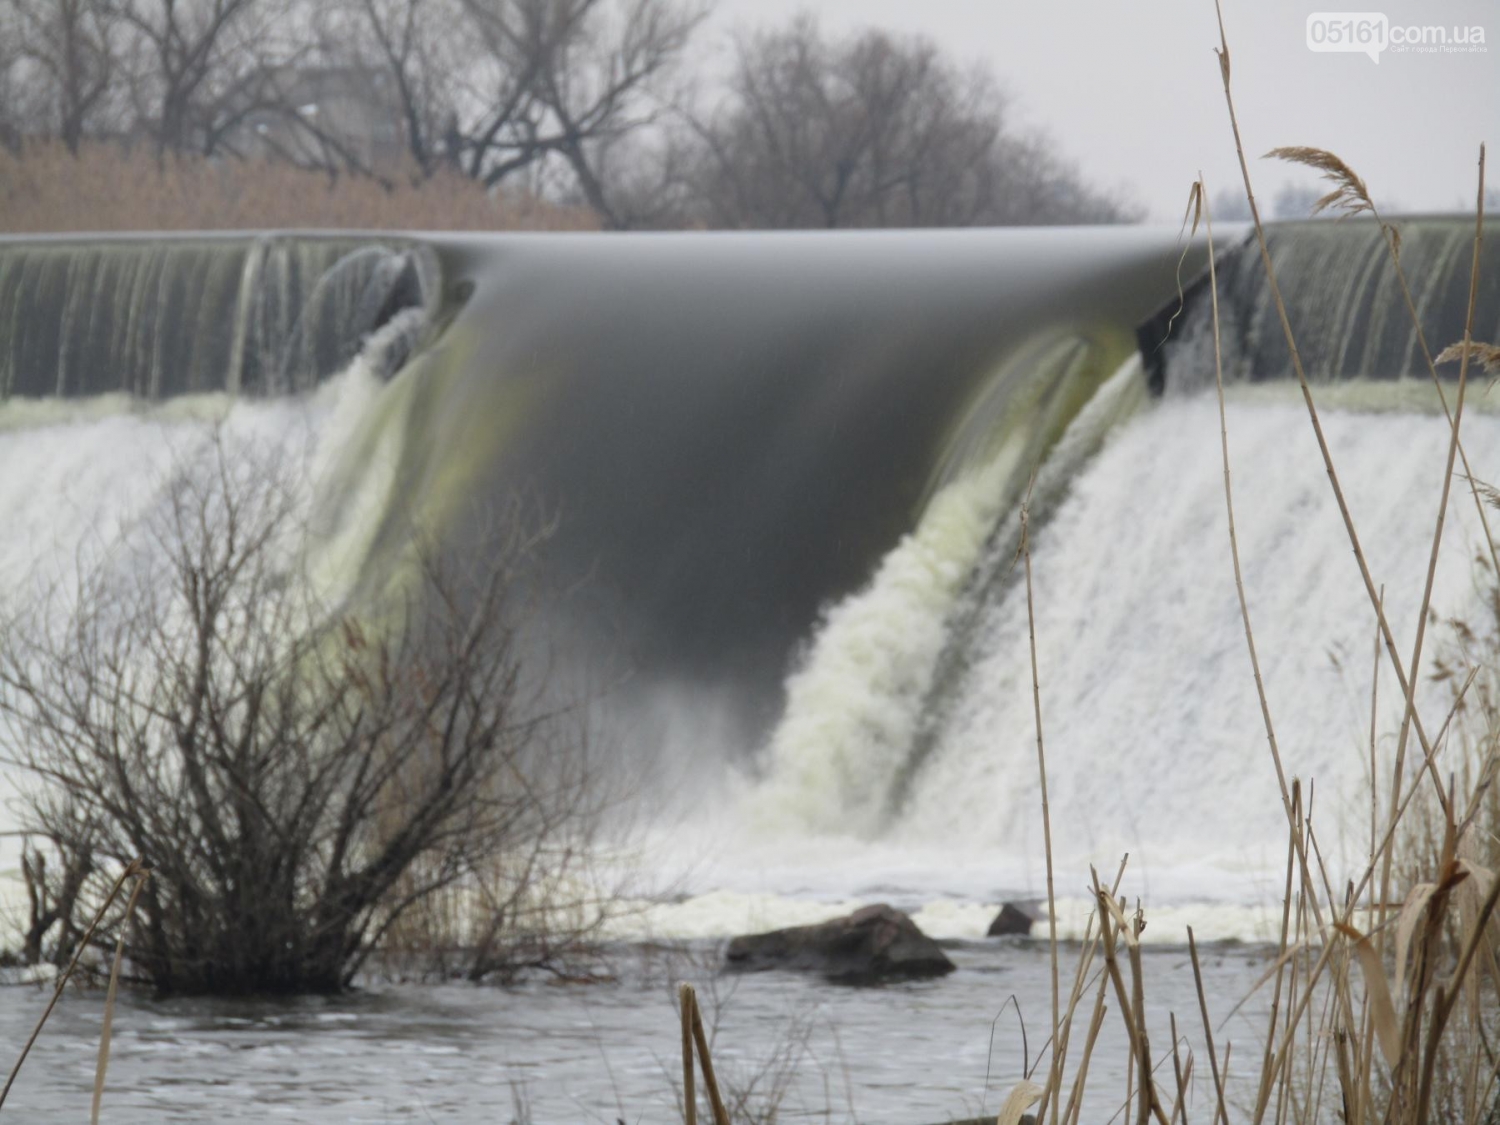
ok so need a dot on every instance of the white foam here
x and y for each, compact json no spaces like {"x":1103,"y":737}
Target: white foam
{"x":77,"y":474}
{"x":1155,"y":744}
{"x":854,"y":703}
{"x":722,"y":914}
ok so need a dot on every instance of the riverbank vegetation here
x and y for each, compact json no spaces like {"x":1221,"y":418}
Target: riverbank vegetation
{"x":596,"y":107}
{"x":309,"y":779}
{"x":1382,"y":996}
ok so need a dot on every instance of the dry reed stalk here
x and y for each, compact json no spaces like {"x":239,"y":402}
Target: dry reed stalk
{"x":1080,"y":983}
{"x":1198,"y":207}
{"x":1143,"y":1089}
{"x":1263,"y":1094}
{"x":1374,"y":724}
{"x":1091,"y":945}
{"x":1311,"y":1042}
{"x":1352,"y":197}
{"x":1488,"y":355}
{"x":1445,"y":999}
{"x":1096,"y":1021}
{"x":1050,"y":1097}
{"x":1405,"y":677}
{"x":1179,"y":1103}
{"x":1023,"y":1095}
{"x":689,"y":1094}
{"x":1198,"y":204}
{"x":1149,"y":1099}
{"x":1347,"y":1084}
{"x":1339,"y":992}
{"x":1307,"y":395}
{"x":694,"y":1017}
{"x":106,"y":1031}
{"x":1221,"y":1112}
{"x":1328,"y":949}
{"x":135,"y":868}
{"x":1437,"y":536}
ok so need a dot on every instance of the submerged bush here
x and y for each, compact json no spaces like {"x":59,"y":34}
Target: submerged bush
{"x":297,"y":776}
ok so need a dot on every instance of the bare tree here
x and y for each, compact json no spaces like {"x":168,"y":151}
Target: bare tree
{"x":411,"y":59}
{"x":1295,"y":201}
{"x":299,"y":777}
{"x":872,"y":131}
{"x":552,"y":90}
{"x":1231,"y":206}
{"x":13,"y":115}
{"x":200,"y":68}
{"x":594,"y":80}
{"x":1034,"y":186}
{"x":71,"y":46}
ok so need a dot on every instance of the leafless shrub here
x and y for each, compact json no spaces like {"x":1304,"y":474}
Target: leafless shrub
{"x":52,"y":898}
{"x":297,"y":775}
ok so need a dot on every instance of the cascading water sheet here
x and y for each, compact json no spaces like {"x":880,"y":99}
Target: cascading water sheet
{"x":1155,"y":744}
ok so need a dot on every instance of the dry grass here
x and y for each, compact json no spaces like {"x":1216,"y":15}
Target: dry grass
{"x":1041,"y":762}
{"x":1392,"y":1021}
{"x":1349,"y":195}
{"x":108,"y":188}
{"x":138,"y":872}
{"x":1486,"y":355}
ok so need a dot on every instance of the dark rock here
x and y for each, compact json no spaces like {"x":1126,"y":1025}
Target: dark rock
{"x":1011,"y":920}
{"x":875,"y":943}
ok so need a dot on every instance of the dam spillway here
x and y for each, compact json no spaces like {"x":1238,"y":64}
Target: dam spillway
{"x":783,"y":469}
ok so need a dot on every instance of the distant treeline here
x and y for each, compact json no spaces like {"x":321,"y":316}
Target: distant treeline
{"x":589,"y":104}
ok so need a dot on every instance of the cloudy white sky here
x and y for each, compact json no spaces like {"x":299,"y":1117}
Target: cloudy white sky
{"x":1130,"y":91}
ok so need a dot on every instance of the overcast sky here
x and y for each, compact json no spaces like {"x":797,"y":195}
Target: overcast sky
{"x":1130,"y":91}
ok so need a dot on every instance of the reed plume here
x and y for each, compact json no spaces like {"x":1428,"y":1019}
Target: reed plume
{"x":1349,"y":195}
{"x":1486,"y":355}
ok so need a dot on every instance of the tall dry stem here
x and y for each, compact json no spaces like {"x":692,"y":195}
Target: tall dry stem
{"x":1307,"y":396}
{"x":133,"y":870}
{"x":106,"y":1031}
{"x":1050,"y":1097}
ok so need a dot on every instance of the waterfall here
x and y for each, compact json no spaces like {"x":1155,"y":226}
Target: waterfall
{"x":784,"y":474}
{"x":156,"y":318}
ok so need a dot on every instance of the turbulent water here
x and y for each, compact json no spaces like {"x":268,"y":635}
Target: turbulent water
{"x":787,"y":477}
{"x":891,"y":1056}
{"x":1154,"y":738}
{"x":80,"y":477}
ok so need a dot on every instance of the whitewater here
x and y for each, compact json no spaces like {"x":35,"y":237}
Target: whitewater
{"x":80,"y":477}
{"x":904,"y":767}
{"x":1154,"y":737}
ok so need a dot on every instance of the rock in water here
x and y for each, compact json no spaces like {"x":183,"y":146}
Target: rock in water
{"x":1011,"y":920}
{"x":875,"y":943}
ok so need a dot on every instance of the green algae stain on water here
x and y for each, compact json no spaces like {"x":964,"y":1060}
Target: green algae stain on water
{"x":405,"y":481}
